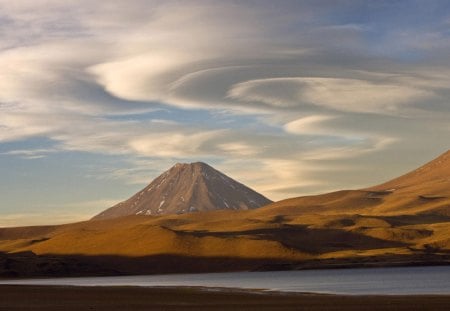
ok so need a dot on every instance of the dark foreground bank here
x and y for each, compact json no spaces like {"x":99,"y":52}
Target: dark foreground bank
{"x":29,"y":265}
{"x":139,"y":298}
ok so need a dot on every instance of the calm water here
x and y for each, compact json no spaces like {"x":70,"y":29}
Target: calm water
{"x":407,"y":280}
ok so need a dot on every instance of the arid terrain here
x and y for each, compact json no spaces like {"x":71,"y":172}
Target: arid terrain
{"x":402,"y":222}
{"x":130,"y":298}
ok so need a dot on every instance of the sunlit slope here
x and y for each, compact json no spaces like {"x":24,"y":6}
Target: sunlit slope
{"x":244,"y":234}
{"x":141,"y":236}
{"x":425,"y":190}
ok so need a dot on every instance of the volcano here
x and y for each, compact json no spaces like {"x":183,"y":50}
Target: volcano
{"x":188,"y":188}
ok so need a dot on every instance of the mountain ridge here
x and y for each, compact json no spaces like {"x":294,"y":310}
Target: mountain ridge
{"x":423,"y":190}
{"x":432,"y":171}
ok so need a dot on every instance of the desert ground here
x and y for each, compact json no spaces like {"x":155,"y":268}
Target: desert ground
{"x":51,"y":298}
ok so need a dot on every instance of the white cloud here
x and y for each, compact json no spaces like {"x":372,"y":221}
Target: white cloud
{"x":310,"y":125}
{"x":172,"y":144}
{"x":359,"y":96}
{"x":273,"y":177}
{"x":352,"y":143}
{"x":277,"y":92}
{"x":370,"y":145}
{"x":239,"y":149}
{"x":340,"y":94}
{"x":145,"y":77}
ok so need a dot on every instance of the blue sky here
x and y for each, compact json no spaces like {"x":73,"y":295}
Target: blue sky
{"x":288,"y":97}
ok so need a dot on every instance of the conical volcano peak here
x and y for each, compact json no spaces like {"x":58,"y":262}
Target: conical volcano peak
{"x":197,"y":169}
{"x":188,"y":187}
{"x":192,"y":166}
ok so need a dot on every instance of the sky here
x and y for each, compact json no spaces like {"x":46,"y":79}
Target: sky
{"x":291,"y":98}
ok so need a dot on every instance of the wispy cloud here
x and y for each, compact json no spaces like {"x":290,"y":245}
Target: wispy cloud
{"x":340,"y":94}
{"x":309,"y":125}
{"x":30,"y":153}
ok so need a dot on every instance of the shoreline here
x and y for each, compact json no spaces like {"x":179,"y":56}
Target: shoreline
{"x":29,"y":265}
{"x":225,"y":290}
{"x":50,"y":297}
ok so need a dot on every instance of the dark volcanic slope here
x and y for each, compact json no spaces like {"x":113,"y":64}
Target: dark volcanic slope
{"x":188,"y":188}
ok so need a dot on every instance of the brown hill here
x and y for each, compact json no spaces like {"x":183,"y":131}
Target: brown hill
{"x":188,"y":188}
{"x":425,"y":190}
{"x":434,"y":174}
{"x":222,"y":241}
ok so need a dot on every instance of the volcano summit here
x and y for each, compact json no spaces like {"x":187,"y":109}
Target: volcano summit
{"x":188,"y":188}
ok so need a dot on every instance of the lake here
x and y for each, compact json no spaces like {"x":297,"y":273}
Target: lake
{"x":372,"y":281}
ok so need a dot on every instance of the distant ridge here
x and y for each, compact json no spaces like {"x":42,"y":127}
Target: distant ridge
{"x":435,"y":172}
{"x":425,"y":190}
{"x":188,"y":188}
